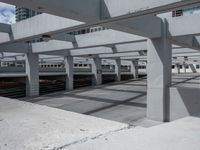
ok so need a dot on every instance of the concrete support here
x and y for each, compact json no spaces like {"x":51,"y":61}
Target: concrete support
{"x":32,"y":71}
{"x":97,"y":71}
{"x":134,"y":68}
{"x":177,"y":68}
{"x":192,"y":67}
{"x":69,"y":68}
{"x":159,"y":77}
{"x":118,"y":70}
{"x":184,"y":67}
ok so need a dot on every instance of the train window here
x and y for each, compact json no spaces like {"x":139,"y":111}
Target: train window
{"x":59,"y":66}
{"x":75,"y":65}
{"x":48,"y":66}
{"x":80,"y":65}
{"x":85,"y":65}
{"x":181,"y":67}
{"x":198,"y":66}
{"x":187,"y":66}
{"x":173,"y":66}
{"x":52,"y":66}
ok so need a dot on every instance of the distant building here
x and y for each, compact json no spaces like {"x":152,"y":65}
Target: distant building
{"x":24,"y":13}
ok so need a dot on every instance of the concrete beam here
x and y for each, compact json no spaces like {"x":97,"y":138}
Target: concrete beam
{"x":95,"y":10}
{"x":5,"y":28}
{"x":42,"y":24}
{"x":184,"y":25}
{"x":15,"y":48}
{"x":90,"y":40}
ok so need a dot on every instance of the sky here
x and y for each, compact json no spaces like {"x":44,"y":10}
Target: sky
{"x":7,"y":13}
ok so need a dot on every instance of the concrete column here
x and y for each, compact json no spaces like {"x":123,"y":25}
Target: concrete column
{"x":184,"y":67}
{"x":118,"y":70}
{"x":134,"y":68}
{"x":177,"y":66}
{"x":69,"y":69}
{"x":159,"y":77}
{"x":32,"y":71}
{"x":97,"y":71}
{"x":192,"y":67}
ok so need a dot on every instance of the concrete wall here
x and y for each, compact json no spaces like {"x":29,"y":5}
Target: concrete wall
{"x":184,"y":102}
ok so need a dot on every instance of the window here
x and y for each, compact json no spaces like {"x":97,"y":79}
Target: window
{"x":198,"y":66}
{"x":173,"y":66}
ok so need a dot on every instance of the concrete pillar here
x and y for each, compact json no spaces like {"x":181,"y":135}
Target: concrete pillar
{"x":192,"y":67}
{"x":184,"y":67}
{"x":118,"y":70}
{"x":134,"y":68}
{"x":69,"y":69}
{"x":32,"y":71}
{"x":97,"y":71}
{"x":177,"y":66}
{"x":159,"y":77}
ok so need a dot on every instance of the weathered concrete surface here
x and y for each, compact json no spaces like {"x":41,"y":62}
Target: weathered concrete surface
{"x":184,"y":96}
{"x":26,"y":126}
{"x":123,"y":102}
{"x":183,"y":134}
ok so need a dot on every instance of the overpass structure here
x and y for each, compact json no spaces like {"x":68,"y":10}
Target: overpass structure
{"x":136,"y":30}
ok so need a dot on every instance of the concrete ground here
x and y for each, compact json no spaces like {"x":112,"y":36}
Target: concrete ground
{"x":186,"y":80}
{"x":124,"y":102}
{"x":183,"y":134}
{"x":26,"y":126}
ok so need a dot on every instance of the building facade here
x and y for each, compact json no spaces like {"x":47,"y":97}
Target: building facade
{"x":24,"y":13}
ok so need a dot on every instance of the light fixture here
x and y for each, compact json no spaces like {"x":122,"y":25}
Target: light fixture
{"x":45,"y":38}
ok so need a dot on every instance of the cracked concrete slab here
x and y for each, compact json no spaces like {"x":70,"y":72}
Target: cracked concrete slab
{"x":183,"y":134}
{"x":26,"y":126}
